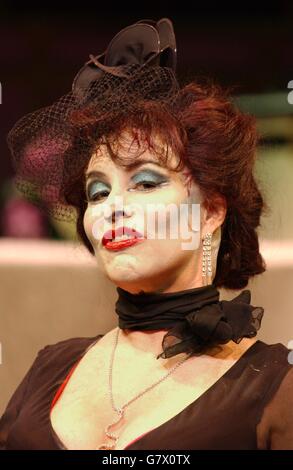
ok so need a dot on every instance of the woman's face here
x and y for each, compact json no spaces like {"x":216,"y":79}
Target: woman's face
{"x":146,"y":198}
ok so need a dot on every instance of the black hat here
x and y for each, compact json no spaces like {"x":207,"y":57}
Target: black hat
{"x":51,"y":146}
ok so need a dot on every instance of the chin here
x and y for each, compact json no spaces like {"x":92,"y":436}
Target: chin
{"x":131,"y":282}
{"x":124,"y":276}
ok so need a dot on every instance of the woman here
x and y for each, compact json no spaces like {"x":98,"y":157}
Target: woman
{"x":182,"y":370}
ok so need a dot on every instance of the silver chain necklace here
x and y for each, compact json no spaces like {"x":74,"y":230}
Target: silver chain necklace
{"x":120,"y":411}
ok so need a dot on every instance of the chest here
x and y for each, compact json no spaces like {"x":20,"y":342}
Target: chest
{"x":84,"y":409}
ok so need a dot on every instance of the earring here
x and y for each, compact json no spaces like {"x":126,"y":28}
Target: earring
{"x":207,"y":259}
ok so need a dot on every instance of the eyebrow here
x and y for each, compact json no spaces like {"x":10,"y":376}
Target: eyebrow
{"x":130,"y":166}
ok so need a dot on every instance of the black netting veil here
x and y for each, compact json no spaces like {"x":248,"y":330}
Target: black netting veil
{"x":50,"y":147}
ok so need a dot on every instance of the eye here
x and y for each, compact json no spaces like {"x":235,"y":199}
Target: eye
{"x":93,"y":195}
{"x":147,"y":180}
{"x":147,"y":184}
{"x":98,"y":196}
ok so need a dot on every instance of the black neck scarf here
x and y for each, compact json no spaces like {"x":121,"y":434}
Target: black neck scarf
{"x":195,"y":318}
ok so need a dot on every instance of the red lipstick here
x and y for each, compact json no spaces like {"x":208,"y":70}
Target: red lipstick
{"x":108,"y":240}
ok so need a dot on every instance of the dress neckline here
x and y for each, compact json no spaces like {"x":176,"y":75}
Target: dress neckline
{"x":131,"y":446}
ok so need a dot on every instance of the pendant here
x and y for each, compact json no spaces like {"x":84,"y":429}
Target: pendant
{"x":105,"y":446}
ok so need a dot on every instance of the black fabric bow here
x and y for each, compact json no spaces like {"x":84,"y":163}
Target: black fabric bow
{"x":143,"y":43}
{"x":196,"y":318}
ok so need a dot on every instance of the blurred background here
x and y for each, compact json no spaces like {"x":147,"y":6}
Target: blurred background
{"x":50,"y":287}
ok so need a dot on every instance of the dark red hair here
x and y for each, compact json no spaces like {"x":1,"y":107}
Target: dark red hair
{"x":218,"y":143}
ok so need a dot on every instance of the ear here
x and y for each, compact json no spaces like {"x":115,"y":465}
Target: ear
{"x":213,"y":213}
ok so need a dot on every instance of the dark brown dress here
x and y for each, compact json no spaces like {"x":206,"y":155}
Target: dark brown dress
{"x":249,"y":407}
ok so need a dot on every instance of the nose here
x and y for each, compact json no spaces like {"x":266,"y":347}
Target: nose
{"x":116,"y":208}
{"x":115,"y":215}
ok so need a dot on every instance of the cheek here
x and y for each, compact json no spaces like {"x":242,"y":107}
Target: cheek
{"x":94,"y":222}
{"x":88,"y":223}
{"x":177,"y":211}
{"x":172,"y":194}
{"x":162,"y":201}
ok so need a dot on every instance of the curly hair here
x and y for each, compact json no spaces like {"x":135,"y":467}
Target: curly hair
{"x":217,"y":143}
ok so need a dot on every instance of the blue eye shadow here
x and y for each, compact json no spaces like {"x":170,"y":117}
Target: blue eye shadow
{"x":148,"y":175}
{"x":94,"y":185}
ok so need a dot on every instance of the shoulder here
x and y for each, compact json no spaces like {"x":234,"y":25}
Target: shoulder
{"x":276,"y":355}
{"x":63,"y":354}
{"x":274,"y":362}
{"x":279,"y":358}
{"x":69,"y":345}
{"x":275,"y":429}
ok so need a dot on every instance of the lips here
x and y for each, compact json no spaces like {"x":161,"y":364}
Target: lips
{"x":110,"y":235}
